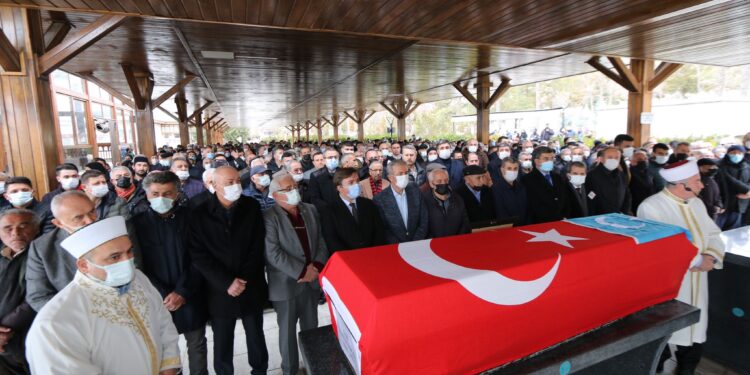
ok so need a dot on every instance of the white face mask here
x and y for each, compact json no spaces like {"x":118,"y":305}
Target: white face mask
{"x":586,"y":154}
{"x":69,"y":183}
{"x":472,"y":148}
{"x":99,"y":191}
{"x":385,"y":153}
{"x":161,"y":205}
{"x":529,"y":149}
{"x":577,"y":180}
{"x":611,"y":164}
{"x":292,"y":197}
{"x":183,"y":175}
{"x":628,"y":152}
{"x":2,"y":187}
{"x":661,"y":159}
{"x":566,"y":158}
{"x":526,"y":164}
{"x":118,"y":274}
{"x":264,"y":180}
{"x":432,"y":157}
{"x":297,"y":177}
{"x":503,"y":154}
{"x":510,"y":176}
{"x":20,"y":198}
{"x":164,"y":162}
{"x":232,"y":192}
{"x":402,"y":181}
{"x":423,"y":154}
{"x":444,"y":154}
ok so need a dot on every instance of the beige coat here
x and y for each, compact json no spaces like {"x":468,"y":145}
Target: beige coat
{"x":366,"y":189}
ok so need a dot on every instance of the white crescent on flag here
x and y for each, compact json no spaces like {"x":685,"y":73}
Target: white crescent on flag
{"x":488,"y":285}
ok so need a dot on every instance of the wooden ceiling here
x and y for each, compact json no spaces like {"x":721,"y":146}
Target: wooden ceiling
{"x":307,"y":58}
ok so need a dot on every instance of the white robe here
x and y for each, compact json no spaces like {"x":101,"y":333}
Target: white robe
{"x":88,"y":328}
{"x":691,"y":215}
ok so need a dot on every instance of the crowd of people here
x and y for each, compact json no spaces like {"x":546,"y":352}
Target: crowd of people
{"x":221,"y":230}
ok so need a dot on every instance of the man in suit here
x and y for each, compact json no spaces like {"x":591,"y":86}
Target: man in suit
{"x":446,"y":211}
{"x":226,"y":244}
{"x":546,"y":191}
{"x":401,"y":207}
{"x":295,"y":255}
{"x":607,"y":185}
{"x":352,"y":221}
{"x":509,"y":193}
{"x":416,"y":173}
{"x":49,"y":267}
{"x":322,"y":191}
{"x":477,"y":197}
{"x":579,"y":204}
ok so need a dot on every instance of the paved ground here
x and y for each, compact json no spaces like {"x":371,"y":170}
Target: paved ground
{"x":271,"y":329}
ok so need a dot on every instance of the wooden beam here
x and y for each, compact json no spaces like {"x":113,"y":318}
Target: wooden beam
{"x":124,"y":99}
{"x":594,"y":62}
{"x":56,"y":33}
{"x":141,"y":86}
{"x":465,"y":92}
{"x":208,"y":120}
{"x":201,"y":109}
{"x":412,"y":108}
{"x":625,"y":73}
{"x":78,"y":42}
{"x":217,"y":122}
{"x":10,"y":58}
{"x":499,"y":92}
{"x":170,"y":114}
{"x":179,"y":86}
{"x":389,"y":109}
{"x":661,"y":74}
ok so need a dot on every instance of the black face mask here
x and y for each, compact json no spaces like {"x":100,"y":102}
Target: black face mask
{"x":712,"y":172}
{"x":306,"y":157}
{"x":442,"y":189}
{"x":124,"y":182}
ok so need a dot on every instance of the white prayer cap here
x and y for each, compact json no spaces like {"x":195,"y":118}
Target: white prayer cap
{"x":89,"y":237}
{"x":678,"y":171}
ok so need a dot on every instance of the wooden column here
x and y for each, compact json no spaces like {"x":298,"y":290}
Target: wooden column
{"x":199,"y":129}
{"x":401,"y":109}
{"x":209,"y":134}
{"x":182,"y":117}
{"x":298,"y":127}
{"x":360,"y":116}
{"x":483,"y":101}
{"x":640,"y":79}
{"x":291,"y":129}
{"x":335,"y":121}
{"x":141,"y":87}
{"x":27,"y":125}
{"x":319,"y":127}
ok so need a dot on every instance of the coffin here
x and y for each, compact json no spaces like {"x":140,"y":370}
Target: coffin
{"x":464,"y":304}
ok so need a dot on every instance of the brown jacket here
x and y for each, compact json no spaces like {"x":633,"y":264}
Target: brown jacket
{"x":366,"y":189}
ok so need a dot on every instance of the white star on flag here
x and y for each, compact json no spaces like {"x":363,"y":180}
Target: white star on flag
{"x":552,"y":235}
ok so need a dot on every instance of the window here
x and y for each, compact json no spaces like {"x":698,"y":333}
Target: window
{"x":97,"y":92}
{"x":65,"y":117}
{"x":102,"y":115}
{"x":79,"y":111}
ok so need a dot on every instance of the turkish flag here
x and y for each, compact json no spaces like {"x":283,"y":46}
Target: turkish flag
{"x":466,"y":304}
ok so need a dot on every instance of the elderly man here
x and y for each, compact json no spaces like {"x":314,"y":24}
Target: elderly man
{"x":478,"y":198}
{"x":161,"y":236}
{"x":18,"y":227}
{"x":607,"y":185}
{"x":352,"y":221}
{"x":107,"y":202}
{"x":122,"y":179}
{"x":109,"y":319}
{"x":208,"y":193}
{"x":50,"y":268}
{"x":401,"y":207}
{"x":678,"y":204}
{"x":67,"y":176}
{"x":258,"y":187}
{"x":295,"y":255}
{"x":226,"y":243}
{"x":446,"y":211}
{"x":188,"y":185}
{"x":373,"y":185}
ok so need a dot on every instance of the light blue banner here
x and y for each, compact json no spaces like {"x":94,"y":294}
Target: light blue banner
{"x":641,"y":230}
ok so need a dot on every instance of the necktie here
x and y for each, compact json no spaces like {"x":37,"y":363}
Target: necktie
{"x":549,"y":179}
{"x":354,"y":211}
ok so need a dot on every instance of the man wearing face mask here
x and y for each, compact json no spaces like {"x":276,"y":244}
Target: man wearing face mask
{"x":373,"y":185}
{"x":140,"y":168}
{"x":445,"y":210}
{"x":68,"y":178}
{"x":227,"y":245}
{"x":579,"y":203}
{"x":258,"y":188}
{"x":107,"y":202}
{"x":401,"y":207}
{"x":660,"y":157}
{"x":20,"y":194}
{"x":107,"y":299}
{"x":496,"y":159}
{"x":607,"y":185}
{"x":352,"y":221}
{"x":624,"y":143}
{"x":322,"y":191}
{"x":641,"y":184}
{"x":563,"y":161}
{"x":546,"y":191}
{"x":681,"y":152}
{"x":478,"y":199}
{"x":735,"y":175}
{"x":509,"y":193}
{"x":161,"y":234}
{"x":473,"y":146}
{"x":525,"y":163}
{"x":711,"y":193}
{"x":295,"y":255}
{"x":208,"y":193}
{"x":189,"y":186}
{"x":453,"y":166}
{"x":164,"y":162}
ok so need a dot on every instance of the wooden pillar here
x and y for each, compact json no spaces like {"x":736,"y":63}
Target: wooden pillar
{"x":209,"y":134}
{"x":319,"y":127}
{"x":335,"y":121}
{"x":199,"y":129}
{"x":27,"y":129}
{"x":401,"y":109}
{"x":640,"y":79}
{"x":182,"y":116}
{"x":483,"y":102}
{"x":141,"y":87}
{"x":359,"y":116}
{"x":299,"y":132}
{"x":308,"y":126}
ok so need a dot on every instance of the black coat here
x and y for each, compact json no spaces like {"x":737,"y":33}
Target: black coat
{"x":449,"y":222}
{"x":736,"y":179}
{"x":611,"y":193}
{"x":545,"y":203}
{"x":711,"y":196}
{"x":510,"y":201}
{"x":342,"y":232}
{"x":641,"y":185}
{"x":167,"y":263}
{"x":475,"y":210}
{"x":321,"y":189}
{"x":579,"y":201}
{"x":228,"y":244}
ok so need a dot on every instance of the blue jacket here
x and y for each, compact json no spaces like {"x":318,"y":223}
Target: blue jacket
{"x":265,"y":201}
{"x":510,"y":201}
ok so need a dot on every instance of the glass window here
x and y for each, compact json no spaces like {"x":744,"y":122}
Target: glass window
{"x":79,"y":110}
{"x":76,"y":84}
{"x":103,"y":117}
{"x":78,"y":156}
{"x":129,"y":127}
{"x":121,"y":127}
{"x":65,"y":117}
{"x":60,"y":79}
{"x":97,"y":92}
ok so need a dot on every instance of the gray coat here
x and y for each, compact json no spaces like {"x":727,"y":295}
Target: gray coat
{"x":285,"y":258}
{"x":49,"y":268}
{"x":417,"y":218}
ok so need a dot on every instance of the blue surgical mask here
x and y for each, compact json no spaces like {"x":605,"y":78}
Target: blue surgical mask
{"x":353,"y":191}
{"x":547,"y":166}
{"x":118,"y":274}
{"x":736,"y":158}
{"x":332,"y":163}
{"x":210,"y":155}
{"x":161,"y":205}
